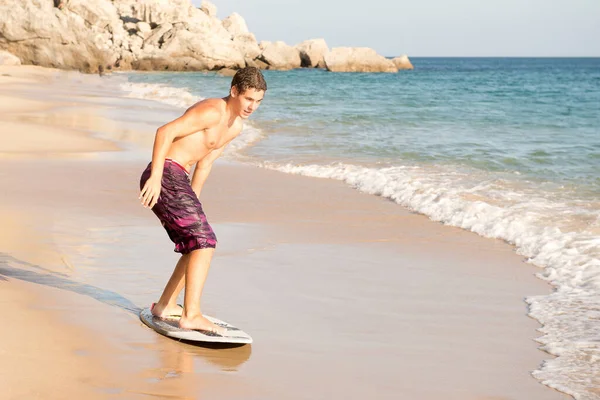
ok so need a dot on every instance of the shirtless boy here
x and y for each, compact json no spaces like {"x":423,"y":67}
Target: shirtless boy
{"x":198,"y":137}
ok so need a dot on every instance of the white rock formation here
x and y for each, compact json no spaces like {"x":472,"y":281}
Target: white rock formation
{"x":7,"y":58}
{"x":312,"y":53}
{"x":357,"y":59}
{"x":279,"y":55}
{"x":403,"y":62}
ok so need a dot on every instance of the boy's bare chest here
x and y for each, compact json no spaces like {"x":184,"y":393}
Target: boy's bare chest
{"x":219,"y":136}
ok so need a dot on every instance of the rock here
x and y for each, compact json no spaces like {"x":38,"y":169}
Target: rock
{"x":251,"y":63}
{"x":143,"y":27}
{"x":263,"y":44}
{"x":242,"y":38}
{"x":280,"y":56}
{"x":169,"y":64}
{"x":7,"y":58}
{"x":135,"y":45}
{"x":130,"y":26}
{"x":95,"y":13}
{"x":214,"y":52}
{"x":72,"y":38}
{"x":357,"y":59}
{"x":246,"y":44}
{"x":155,"y":38}
{"x":402,"y":62}
{"x":226,"y":72}
{"x":209,"y":8}
{"x":261,"y":64}
{"x":312,"y":53}
{"x":156,"y":12}
{"x":236,"y":25}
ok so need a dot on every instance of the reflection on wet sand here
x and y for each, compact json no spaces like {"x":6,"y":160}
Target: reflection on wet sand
{"x":179,"y":357}
{"x":185,"y":370}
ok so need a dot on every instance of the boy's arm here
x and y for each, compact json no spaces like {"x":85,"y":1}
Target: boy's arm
{"x":195,"y":119}
{"x":203,"y":168}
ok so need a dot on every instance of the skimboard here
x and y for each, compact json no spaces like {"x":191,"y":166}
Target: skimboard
{"x":170,"y":328}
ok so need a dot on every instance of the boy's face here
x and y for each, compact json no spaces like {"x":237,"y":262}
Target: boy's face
{"x":248,"y":101}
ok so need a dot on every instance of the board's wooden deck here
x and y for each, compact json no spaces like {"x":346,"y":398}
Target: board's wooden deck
{"x":170,"y":328}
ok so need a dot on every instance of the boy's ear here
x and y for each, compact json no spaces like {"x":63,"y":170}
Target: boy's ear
{"x":233,"y":91}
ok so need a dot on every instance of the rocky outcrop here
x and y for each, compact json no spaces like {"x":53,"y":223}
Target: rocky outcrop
{"x":209,"y":8}
{"x":184,"y":37}
{"x":91,"y":35}
{"x":357,"y":59}
{"x":38,"y":33}
{"x":8,"y":59}
{"x":312,"y":53}
{"x":402,"y":62}
{"x":279,"y":55}
{"x":235,"y":24}
{"x":85,"y":34}
{"x":242,"y":38}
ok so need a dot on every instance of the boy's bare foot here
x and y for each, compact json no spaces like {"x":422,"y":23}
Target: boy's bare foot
{"x":169,"y":311}
{"x":200,"y":323}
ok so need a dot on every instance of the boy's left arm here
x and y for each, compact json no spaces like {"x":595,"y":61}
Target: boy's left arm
{"x":203,"y":168}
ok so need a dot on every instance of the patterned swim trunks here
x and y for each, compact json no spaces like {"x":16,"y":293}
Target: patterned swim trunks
{"x":180,"y":211}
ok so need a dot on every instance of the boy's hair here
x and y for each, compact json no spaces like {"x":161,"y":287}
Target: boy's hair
{"x":249,"y":78}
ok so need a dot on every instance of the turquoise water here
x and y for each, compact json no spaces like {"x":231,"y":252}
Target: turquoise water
{"x":536,"y":117}
{"x":506,"y":148}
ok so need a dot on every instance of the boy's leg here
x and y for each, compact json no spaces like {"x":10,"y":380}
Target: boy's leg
{"x":195,"y":277}
{"x":167,"y":304}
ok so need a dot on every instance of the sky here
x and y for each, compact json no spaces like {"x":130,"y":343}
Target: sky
{"x":430,"y":28}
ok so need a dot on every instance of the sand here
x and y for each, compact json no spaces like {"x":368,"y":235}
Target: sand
{"x":346,"y":295}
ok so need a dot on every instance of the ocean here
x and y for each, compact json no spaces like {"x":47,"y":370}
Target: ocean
{"x":508,"y":148}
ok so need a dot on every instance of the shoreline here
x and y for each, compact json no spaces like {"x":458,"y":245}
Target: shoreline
{"x":263,"y":226}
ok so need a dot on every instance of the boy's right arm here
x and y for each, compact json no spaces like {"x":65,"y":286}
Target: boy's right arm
{"x":193,"y":120}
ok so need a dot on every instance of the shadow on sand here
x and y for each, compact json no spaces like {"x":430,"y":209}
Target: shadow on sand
{"x":24,"y":271}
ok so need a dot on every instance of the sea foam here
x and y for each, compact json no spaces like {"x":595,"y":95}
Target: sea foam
{"x":491,"y":208}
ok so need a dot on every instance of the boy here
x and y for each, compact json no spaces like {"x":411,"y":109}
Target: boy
{"x":198,"y":137}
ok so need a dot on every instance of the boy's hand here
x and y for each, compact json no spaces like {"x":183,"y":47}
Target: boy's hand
{"x":150,"y":192}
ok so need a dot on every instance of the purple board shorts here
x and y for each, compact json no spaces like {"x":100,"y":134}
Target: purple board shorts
{"x":180,"y":211}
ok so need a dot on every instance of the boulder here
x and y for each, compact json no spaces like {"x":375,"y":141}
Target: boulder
{"x":212,"y":52}
{"x":155,"y":37}
{"x":235,"y":24}
{"x":402,"y":62}
{"x":143,"y":27}
{"x":209,"y":8}
{"x":245,"y":41}
{"x":259,"y":64}
{"x":263,"y":44}
{"x":247,"y":46}
{"x":7,"y":58}
{"x":168,"y":64}
{"x":312,"y":53}
{"x":72,"y":38}
{"x":357,"y":59}
{"x":156,"y":12}
{"x":95,"y":13}
{"x":226,"y":72}
{"x":280,"y":56}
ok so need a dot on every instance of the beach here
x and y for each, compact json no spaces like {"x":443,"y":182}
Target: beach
{"x":346,"y":295}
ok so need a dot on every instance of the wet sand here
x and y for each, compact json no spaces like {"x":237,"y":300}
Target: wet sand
{"x":346,"y":295}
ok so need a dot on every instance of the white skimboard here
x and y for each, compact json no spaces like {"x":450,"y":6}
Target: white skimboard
{"x":170,"y":327}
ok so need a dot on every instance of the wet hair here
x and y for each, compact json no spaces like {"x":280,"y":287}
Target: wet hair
{"x":249,"y":78}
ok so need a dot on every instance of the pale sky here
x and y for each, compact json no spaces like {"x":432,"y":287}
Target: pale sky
{"x":477,"y":28}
